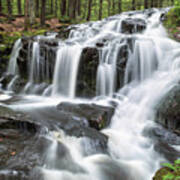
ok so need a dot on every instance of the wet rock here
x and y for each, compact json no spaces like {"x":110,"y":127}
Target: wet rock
{"x":97,"y":116}
{"x":122,"y":59}
{"x":47,"y":57}
{"x":5,"y":80}
{"x":72,"y":125}
{"x":17,"y":84}
{"x":164,"y":142}
{"x":21,"y":147}
{"x":167,"y":151}
{"x":86,"y":81}
{"x":168,"y":110}
{"x":64,"y":31}
{"x":130,"y":25}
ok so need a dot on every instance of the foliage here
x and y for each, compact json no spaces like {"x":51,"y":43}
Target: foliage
{"x":169,"y":171}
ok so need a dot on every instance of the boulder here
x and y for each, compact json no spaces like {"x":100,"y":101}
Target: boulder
{"x":21,"y":147}
{"x":168,"y":110}
{"x":97,"y":116}
{"x":6,"y":79}
{"x":86,"y":81}
{"x":133,"y":25}
{"x":64,"y":31}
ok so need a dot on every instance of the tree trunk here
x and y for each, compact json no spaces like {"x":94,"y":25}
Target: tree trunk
{"x":37,"y":8}
{"x":63,"y":7}
{"x":0,"y":6}
{"x":133,"y":5}
{"x":172,"y":2}
{"x":19,"y":7}
{"x":55,"y":8}
{"x":26,"y":10}
{"x":52,"y":7}
{"x":89,"y":10}
{"x":100,"y":9}
{"x":160,"y":3}
{"x":109,"y":7}
{"x":113,"y":7}
{"x":119,"y":6}
{"x":152,"y":3}
{"x":145,"y":4}
{"x":9,"y":8}
{"x":79,"y":7}
{"x":155,"y":3}
{"x":72,"y":9}
{"x":43,"y":12}
{"x":31,"y":12}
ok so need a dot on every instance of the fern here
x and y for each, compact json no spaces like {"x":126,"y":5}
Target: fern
{"x":170,"y":166}
{"x":177,"y":162}
{"x":168,"y":177}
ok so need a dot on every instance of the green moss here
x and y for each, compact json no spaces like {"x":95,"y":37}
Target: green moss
{"x":169,"y":171}
{"x":172,"y":22}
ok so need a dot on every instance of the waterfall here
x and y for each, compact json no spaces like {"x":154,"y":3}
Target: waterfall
{"x":12,"y":67}
{"x":148,"y":62}
{"x":143,"y":61}
{"x":35,"y":64}
{"x":66,"y":69}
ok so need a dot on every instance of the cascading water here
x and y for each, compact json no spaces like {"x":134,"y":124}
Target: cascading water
{"x":12,"y":67}
{"x":66,"y":69}
{"x":151,"y":70}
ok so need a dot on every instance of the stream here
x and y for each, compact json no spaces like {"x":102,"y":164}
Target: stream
{"x":137,"y":65}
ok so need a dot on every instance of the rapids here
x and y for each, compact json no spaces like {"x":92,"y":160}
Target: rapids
{"x":152,"y":69}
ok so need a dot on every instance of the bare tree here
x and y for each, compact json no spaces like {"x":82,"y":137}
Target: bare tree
{"x":43,"y":12}
{"x":89,"y":10}
{"x":37,"y":8}
{"x":63,"y":7}
{"x":9,"y":8}
{"x":100,"y":9}
{"x":19,"y":7}
{"x":133,"y":5}
{"x":26,"y":13}
{"x":119,"y":6}
{"x":0,"y":6}
{"x":32,"y":12}
{"x":145,"y":4}
{"x":109,"y":7}
{"x":79,"y":7}
{"x":52,"y":7}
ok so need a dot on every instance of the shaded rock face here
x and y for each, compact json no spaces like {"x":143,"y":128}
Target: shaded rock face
{"x":5,"y":53}
{"x":164,"y":140}
{"x":130,"y":26}
{"x":123,"y":56}
{"x":168,"y":110}
{"x":64,"y":32}
{"x":98,"y":117}
{"x":20,"y":147}
{"x":5,"y":80}
{"x":86,"y":81}
{"x":47,"y":58}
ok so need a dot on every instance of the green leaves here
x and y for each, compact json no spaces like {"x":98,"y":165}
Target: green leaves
{"x":170,"y":166}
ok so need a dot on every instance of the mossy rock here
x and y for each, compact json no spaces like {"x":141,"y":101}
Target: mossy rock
{"x":169,"y":172}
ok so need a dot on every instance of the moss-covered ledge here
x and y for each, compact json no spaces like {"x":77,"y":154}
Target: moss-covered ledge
{"x":172,"y":23}
{"x":169,"y":171}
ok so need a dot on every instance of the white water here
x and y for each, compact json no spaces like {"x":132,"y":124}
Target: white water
{"x":12,"y":67}
{"x":66,"y":69}
{"x":151,"y":72}
{"x":153,"y":68}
